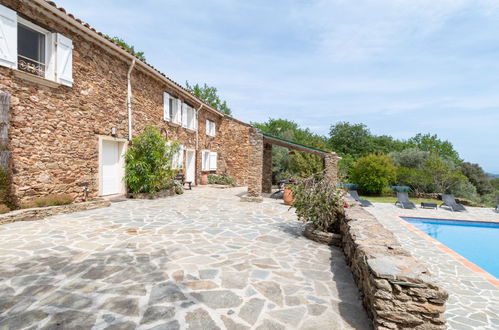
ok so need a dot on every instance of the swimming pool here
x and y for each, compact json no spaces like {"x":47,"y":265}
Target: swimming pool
{"x":477,"y":241}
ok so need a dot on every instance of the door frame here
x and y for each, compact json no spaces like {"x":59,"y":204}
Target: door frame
{"x":193,"y":151}
{"x":123,"y":146}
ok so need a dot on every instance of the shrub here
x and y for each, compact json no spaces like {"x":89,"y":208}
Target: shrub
{"x":221,"y":179}
{"x":373,"y":172}
{"x":387,"y":192}
{"x":179,"y":187}
{"x":5,"y":196}
{"x":53,"y":200}
{"x":148,"y":166}
{"x":477,"y":177}
{"x":319,"y":202}
{"x":416,"y":179}
{"x":411,"y":158}
{"x":4,"y":209}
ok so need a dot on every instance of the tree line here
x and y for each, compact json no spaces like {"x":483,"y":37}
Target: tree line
{"x":424,"y":162}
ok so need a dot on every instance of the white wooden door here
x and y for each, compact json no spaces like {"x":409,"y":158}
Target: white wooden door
{"x":190,"y":168}
{"x":111,"y":171}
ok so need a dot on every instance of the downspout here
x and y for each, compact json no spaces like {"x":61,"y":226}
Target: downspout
{"x":197,"y":139}
{"x":129,"y":100}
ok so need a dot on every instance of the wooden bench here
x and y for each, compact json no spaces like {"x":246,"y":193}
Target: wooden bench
{"x":181,"y":178}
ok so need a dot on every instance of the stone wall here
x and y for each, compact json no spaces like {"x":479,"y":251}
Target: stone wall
{"x":267,"y":168}
{"x":43,"y":212}
{"x":55,"y":129}
{"x":396,"y":289}
{"x":256,"y":161}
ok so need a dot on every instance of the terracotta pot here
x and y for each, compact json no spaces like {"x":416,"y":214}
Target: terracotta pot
{"x":204,"y":179}
{"x":287,"y":196}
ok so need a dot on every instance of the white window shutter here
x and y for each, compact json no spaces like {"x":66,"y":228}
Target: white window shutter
{"x":181,"y":157}
{"x":64,"y":62}
{"x":166,"y":106}
{"x":213,"y":128}
{"x":184,"y":115}
{"x":203,"y":161}
{"x":213,"y":161}
{"x":178,"y":115}
{"x":8,"y":37}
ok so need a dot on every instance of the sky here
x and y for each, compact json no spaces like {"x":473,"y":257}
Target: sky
{"x":399,"y":66}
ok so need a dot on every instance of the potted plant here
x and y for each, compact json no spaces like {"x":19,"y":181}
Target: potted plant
{"x":287,"y":195}
{"x":204,"y":178}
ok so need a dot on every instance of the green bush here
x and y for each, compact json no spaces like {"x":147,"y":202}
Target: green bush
{"x":373,"y":172}
{"x":5,"y":196}
{"x":148,"y":166}
{"x":221,"y":179}
{"x":53,"y":200}
{"x":319,"y":202}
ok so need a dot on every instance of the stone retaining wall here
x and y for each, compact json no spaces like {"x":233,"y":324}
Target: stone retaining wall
{"x":43,"y":212}
{"x":396,"y":289}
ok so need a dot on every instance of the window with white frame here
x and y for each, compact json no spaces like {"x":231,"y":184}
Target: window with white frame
{"x":210,"y":127}
{"x":209,"y":160}
{"x":178,"y":159}
{"x":175,"y":111}
{"x":30,"y":48}
{"x":188,"y":116}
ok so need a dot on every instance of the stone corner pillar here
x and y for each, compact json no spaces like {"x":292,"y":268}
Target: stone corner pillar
{"x":267,"y":168}
{"x":331,"y":167}
{"x":255,"y":163}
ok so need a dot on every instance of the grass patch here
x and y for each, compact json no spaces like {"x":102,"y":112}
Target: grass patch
{"x":392,"y":199}
{"x":50,"y":200}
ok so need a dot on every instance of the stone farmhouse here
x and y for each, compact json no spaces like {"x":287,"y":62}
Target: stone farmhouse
{"x":72,"y":100}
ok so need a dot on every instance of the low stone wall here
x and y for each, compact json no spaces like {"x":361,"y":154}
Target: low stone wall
{"x":396,"y":289}
{"x":320,"y":236}
{"x":159,"y":194}
{"x":43,"y":212}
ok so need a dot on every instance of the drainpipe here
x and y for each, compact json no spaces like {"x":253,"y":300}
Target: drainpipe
{"x":197,"y":140}
{"x":129,"y":100}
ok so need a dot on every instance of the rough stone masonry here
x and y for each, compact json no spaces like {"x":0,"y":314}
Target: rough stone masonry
{"x":397,"y":290}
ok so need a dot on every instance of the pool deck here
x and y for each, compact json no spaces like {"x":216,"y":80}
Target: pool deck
{"x":473,"y":294}
{"x":202,"y":260}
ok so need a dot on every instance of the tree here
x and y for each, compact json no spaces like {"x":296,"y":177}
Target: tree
{"x":299,"y":164}
{"x":415,"y":178}
{"x":373,"y":172}
{"x":477,"y":177}
{"x":350,"y":139}
{"x":432,"y":143}
{"x":412,"y":158}
{"x":148,"y":166}
{"x":127,"y":47}
{"x":210,"y":96}
{"x":443,"y":173}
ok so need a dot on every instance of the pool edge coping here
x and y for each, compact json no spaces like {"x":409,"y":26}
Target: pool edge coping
{"x":468,"y":264}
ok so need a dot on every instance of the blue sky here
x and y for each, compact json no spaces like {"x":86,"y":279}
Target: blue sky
{"x":399,"y":66}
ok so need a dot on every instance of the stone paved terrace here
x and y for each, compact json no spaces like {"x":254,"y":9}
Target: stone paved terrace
{"x":473,"y":301}
{"x":203,"y":260}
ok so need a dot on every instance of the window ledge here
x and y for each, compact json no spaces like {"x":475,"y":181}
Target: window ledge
{"x":35,"y":79}
{"x":173,"y":124}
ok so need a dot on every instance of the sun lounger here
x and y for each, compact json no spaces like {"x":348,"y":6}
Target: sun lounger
{"x":450,"y":201}
{"x":363,"y":202}
{"x":403,"y":200}
{"x":497,"y":207}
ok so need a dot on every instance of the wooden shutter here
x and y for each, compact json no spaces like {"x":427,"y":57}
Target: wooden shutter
{"x":8,"y":37}
{"x":166,"y":106}
{"x":64,"y":62}
{"x":203,"y":160}
{"x":213,"y":161}
{"x":178,"y":113}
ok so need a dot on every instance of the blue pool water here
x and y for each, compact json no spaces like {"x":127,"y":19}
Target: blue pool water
{"x":477,"y":241}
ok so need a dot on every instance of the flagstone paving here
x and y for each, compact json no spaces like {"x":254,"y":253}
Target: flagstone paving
{"x":473,"y":302}
{"x":203,"y":260}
